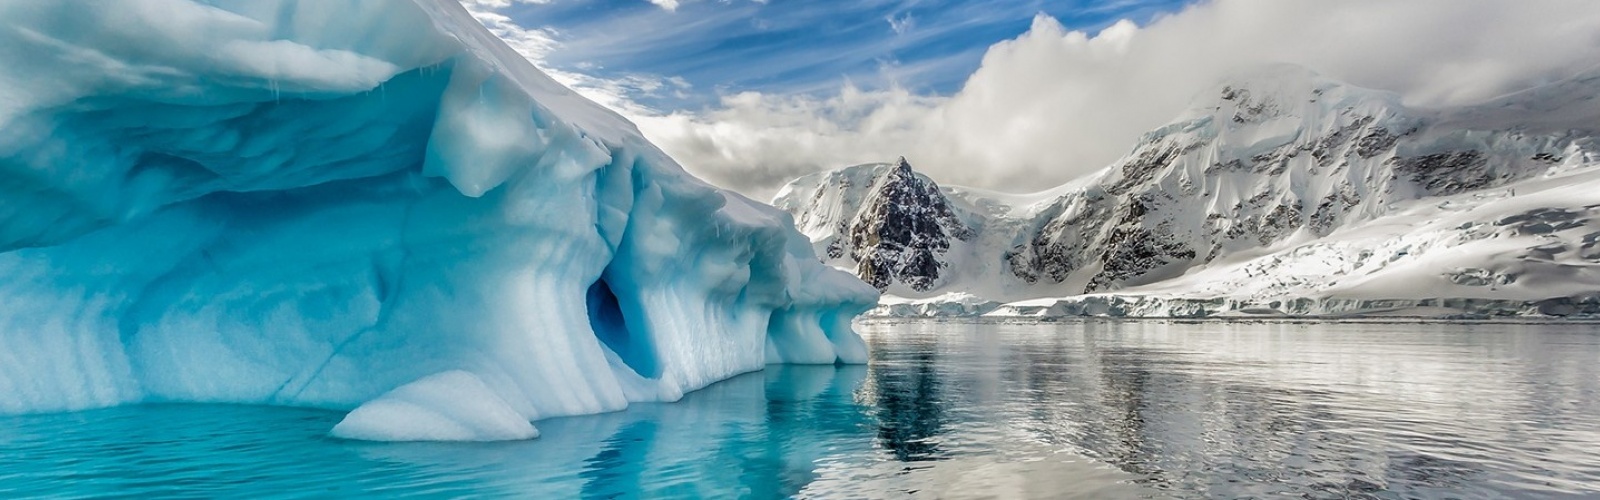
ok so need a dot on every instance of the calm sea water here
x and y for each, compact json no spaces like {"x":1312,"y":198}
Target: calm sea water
{"x":948,"y":410}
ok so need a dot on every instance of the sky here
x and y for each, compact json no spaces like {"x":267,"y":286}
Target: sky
{"x":704,"y":49}
{"x":1010,"y":95}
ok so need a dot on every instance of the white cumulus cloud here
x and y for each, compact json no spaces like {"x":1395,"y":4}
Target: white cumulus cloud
{"x":1054,"y":104}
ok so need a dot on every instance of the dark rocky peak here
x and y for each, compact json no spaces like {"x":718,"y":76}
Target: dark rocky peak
{"x":902,"y":167}
{"x":905,"y":225}
{"x":902,"y":175}
{"x":901,"y":178}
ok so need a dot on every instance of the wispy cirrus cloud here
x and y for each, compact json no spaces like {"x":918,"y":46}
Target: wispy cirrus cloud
{"x":974,"y":97}
{"x":730,"y":46}
{"x":901,"y":24}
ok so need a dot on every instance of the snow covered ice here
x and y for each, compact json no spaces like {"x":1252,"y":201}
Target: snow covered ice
{"x":1280,"y":192}
{"x":313,"y":203}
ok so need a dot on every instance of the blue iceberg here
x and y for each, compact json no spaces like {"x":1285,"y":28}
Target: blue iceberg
{"x":314,"y":203}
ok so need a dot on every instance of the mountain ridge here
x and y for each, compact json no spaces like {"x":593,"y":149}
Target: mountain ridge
{"x":1264,"y":164}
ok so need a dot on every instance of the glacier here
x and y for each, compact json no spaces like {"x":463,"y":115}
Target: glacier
{"x":1280,"y":192}
{"x":313,"y":203}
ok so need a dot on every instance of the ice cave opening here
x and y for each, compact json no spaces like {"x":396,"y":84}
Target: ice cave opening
{"x":610,"y":325}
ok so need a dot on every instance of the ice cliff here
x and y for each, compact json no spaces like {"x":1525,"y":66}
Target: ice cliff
{"x":314,"y":203}
{"x":1279,"y":192}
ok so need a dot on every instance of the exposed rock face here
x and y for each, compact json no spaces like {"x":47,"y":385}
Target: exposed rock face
{"x":1581,"y":306}
{"x":903,"y":230}
{"x":1270,"y":161}
{"x":1267,"y":160}
{"x":898,"y":228}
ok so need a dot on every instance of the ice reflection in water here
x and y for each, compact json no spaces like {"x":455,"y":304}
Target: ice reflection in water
{"x":949,"y":410}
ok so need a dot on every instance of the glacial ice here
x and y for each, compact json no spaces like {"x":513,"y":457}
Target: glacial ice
{"x":312,"y":203}
{"x":449,"y":406}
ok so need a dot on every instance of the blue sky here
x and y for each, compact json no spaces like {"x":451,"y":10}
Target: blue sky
{"x":1011,"y":95}
{"x":719,"y":47}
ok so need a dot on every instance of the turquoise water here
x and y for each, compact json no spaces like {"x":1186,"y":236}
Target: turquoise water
{"x":948,"y":410}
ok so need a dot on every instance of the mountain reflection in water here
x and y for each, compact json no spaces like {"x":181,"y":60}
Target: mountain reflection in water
{"x":1092,"y":409}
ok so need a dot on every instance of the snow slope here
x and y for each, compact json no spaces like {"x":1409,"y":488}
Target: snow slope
{"x":1280,"y":191}
{"x":314,"y":202}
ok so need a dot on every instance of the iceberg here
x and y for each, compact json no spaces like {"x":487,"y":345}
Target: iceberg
{"x":313,"y":203}
{"x":449,"y":406}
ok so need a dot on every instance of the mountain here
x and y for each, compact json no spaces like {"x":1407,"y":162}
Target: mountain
{"x":1280,"y":191}
{"x":898,"y":228}
{"x":364,"y":205}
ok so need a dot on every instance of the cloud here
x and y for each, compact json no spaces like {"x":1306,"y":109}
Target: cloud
{"x":536,"y":44}
{"x":1054,"y":104}
{"x":900,"y":25}
{"x":478,"y":5}
{"x":670,"y":5}
{"x":533,"y":44}
{"x":754,"y":143}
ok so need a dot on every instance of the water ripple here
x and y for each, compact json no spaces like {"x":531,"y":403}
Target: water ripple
{"x":946,"y":410}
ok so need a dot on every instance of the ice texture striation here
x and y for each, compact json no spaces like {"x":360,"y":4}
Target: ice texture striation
{"x":312,"y":203}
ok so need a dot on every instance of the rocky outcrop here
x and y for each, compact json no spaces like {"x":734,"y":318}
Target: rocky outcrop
{"x":1586,"y":306}
{"x":895,"y":227}
{"x":1270,"y":158}
{"x":902,"y":231}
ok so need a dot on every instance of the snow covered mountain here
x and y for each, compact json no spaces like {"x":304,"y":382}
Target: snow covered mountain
{"x":1279,"y":192}
{"x":342,"y":203}
{"x":894,"y":224}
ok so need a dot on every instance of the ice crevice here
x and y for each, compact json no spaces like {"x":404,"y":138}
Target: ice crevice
{"x":372,"y":205}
